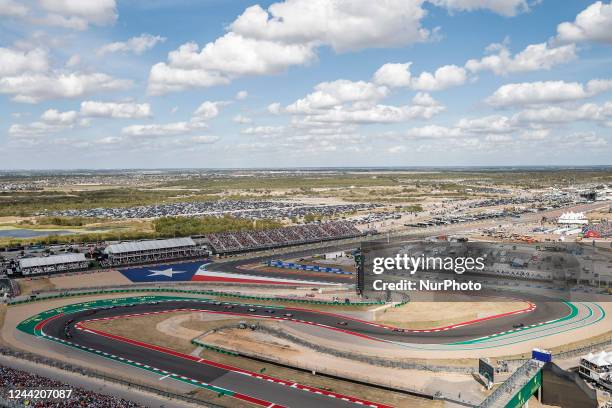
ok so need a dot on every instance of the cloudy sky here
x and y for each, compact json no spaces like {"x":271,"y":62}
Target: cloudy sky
{"x":229,"y":83}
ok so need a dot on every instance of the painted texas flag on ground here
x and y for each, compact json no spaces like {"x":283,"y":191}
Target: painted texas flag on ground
{"x":198,"y":272}
{"x":162,"y":273}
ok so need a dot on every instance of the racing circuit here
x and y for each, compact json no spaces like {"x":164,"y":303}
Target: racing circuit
{"x":68,"y":325}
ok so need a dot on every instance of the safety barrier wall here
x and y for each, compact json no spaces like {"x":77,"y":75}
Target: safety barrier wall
{"x":195,"y":292}
{"x":212,"y":347}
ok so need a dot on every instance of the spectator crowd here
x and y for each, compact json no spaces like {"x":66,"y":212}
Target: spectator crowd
{"x":223,"y":242}
{"x":12,"y":379}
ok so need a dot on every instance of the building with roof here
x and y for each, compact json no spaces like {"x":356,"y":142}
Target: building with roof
{"x":125,"y":253}
{"x":596,"y":367}
{"x":53,"y":263}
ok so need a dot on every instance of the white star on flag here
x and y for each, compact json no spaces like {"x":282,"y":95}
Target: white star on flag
{"x":164,"y":272}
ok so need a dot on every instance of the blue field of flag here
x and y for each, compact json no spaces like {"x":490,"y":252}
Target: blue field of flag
{"x":162,"y":273}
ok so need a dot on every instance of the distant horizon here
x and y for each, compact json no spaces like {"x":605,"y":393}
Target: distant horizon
{"x":319,"y":168}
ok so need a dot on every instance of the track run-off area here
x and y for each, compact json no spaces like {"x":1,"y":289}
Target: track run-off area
{"x":540,"y":319}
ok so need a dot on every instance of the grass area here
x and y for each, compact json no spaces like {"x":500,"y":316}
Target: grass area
{"x":91,"y":229}
{"x":182,"y":226}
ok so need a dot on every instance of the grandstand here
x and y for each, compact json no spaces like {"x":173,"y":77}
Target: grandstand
{"x":151,"y":251}
{"x":239,"y":241}
{"x":53,"y":263}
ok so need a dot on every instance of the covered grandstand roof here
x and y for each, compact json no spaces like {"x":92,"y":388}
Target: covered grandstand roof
{"x":127,"y":247}
{"x":51,"y":260}
{"x":600,"y":359}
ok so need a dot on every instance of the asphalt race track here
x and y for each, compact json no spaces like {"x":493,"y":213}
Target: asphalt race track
{"x":238,"y":266}
{"x":274,"y":392}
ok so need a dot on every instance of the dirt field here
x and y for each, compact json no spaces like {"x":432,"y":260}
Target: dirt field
{"x":84,"y":280}
{"x":144,"y":329}
{"x":29,"y":285}
{"x":422,"y":315}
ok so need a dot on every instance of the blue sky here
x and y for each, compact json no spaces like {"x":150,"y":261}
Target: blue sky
{"x":188,"y":83}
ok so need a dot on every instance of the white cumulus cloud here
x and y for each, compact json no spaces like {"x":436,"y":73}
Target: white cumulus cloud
{"x":11,"y":8}
{"x":137,"y":45}
{"x":261,"y":42}
{"x":117,"y":110}
{"x":398,"y":75}
{"x":16,"y":62}
{"x":533,"y":58}
{"x":33,"y":88}
{"x":78,"y":14}
{"x":394,"y":75}
{"x":443,"y":78}
{"x":335,"y":93}
{"x":343,"y":25}
{"x":530,"y":93}
{"x":208,"y":110}
{"x":591,"y":24}
{"x":166,"y":129}
{"x":63,"y":118}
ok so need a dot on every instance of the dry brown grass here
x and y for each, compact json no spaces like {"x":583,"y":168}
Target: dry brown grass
{"x":142,"y":328}
{"x":421,"y":315}
{"x":344,"y":387}
{"x":3,"y":310}
{"x":38,"y":284}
